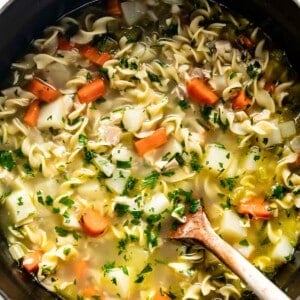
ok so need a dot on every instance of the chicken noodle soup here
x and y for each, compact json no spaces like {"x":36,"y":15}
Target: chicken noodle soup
{"x":120,"y":122}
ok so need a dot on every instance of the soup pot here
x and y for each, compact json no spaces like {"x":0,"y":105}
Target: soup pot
{"x":21,"y":21}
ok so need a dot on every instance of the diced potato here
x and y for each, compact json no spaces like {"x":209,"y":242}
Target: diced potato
{"x":157,"y":204}
{"x":282,"y":250}
{"x":133,"y":119}
{"x":121,"y":154}
{"x":250,"y":162}
{"x":216,"y":158}
{"x":104,"y":165}
{"x":273,"y":137}
{"x":118,"y":181}
{"x":20,"y":207}
{"x":246,"y":251}
{"x":53,"y":114}
{"x":231,"y":228}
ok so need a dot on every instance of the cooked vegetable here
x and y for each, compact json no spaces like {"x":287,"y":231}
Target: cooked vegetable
{"x":93,"y":222}
{"x":91,"y":91}
{"x":92,"y":54}
{"x":32,"y":113}
{"x":241,"y":101}
{"x":65,"y":45}
{"x":155,"y":140}
{"x":42,"y":90}
{"x":114,"y":7}
{"x":31,"y":261}
{"x":159,"y":295}
{"x":200,"y":92}
{"x":255,"y":207}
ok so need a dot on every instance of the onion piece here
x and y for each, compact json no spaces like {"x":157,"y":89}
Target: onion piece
{"x":295,"y":144}
{"x":287,"y":129}
{"x":133,"y":11}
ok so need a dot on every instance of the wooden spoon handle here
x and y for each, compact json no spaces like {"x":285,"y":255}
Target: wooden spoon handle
{"x":264,"y":288}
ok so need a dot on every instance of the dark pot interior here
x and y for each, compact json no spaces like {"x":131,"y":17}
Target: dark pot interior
{"x":21,"y":21}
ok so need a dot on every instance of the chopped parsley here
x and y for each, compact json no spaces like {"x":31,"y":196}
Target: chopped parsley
{"x":195,"y":162}
{"x":140,"y":276}
{"x":121,"y":209}
{"x":61,"y":231}
{"x":130,"y":184}
{"x":244,"y":243}
{"x":151,"y":180}
{"x":7,"y":160}
{"x":66,"y":201}
{"x":153,"y":77}
{"x":82,"y":139}
{"x":27,"y":169}
{"x":229,"y":183}
{"x":88,"y":155}
{"x":253,"y":70}
{"x":278,"y":191}
{"x":123,"y":164}
{"x":183,"y":104}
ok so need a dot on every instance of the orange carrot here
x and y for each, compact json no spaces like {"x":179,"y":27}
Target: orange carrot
{"x":64,"y":44}
{"x":270,"y":87}
{"x":114,"y":8}
{"x":80,"y":269}
{"x":200,"y":92}
{"x":159,"y":295}
{"x":91,"y":91}
{"x":92,"y":54}
{"x":91,"y":292}
{"x":32,"y":113}
{"x":31,"y":261}
{"x":42,"y":90}
{"x":247,"y":42}
{"x":255,"y":207}
{"x":241,"y":101}
{"x":155,"y":140}
{"x":93,"y":222}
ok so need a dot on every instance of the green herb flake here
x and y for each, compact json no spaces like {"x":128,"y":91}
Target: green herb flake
{"x":7,"y":160}
{"x":108,"y":267}
{"x":140,"y":276}
{"x":66,"y":201}
{"x":278,"y":191}
{"x":229,"y":183}
{"x":244,"y":243}
{"x":123,"y":164}
{"x":121,"y":209}
{"x":61,"y":231}
{"x":151,"y":180}
{"x":82,"y":139}
{"x":27,"y":169}
{"x":183,"y":104}
{"x":153,"y":77}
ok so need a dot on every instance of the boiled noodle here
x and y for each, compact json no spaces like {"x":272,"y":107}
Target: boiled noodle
{"x":120,"y":122}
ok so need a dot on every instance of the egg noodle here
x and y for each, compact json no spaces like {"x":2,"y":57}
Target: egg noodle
{"x":118,"y":125}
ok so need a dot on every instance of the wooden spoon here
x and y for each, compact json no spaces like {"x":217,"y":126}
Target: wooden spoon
{"x":198,"y":228}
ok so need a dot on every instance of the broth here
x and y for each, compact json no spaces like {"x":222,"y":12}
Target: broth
{"x":118,"y":124}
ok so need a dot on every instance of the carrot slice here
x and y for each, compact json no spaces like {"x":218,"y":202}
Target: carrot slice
{"x":31,"y":261}
{"x":91,"y":292}
{"x":114,"y":8}
{"x":32,"y":113}
{"x":200,"y":92}
{"x":42,"y":90}
{"x":247,"y":42}
{"x":91,"y":91}
{"x":64,"y":44}
{"x":79,"y":269}
{"x":92,"y":54}
{"x":155,"y":140}
{"x":159,"y":295}
{"x":270,"y":87}
{"x":241,"y":101}
{"x":255,"y":207}
{"x":93,"y":222}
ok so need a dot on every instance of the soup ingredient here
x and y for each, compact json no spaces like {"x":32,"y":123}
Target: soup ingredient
{"x":114,"y":8}
{"x":200,"y":92}
{"x":93,"y":222}
{"x":241,"y":101}
{"x":91,"y":91}
{"x":31,"y":261}
{"x":255,"y":207}
{"x":42,"y":90}
{"x":92,"y":54}
{"x":32,"y":113}
{"x":153,"y":141}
